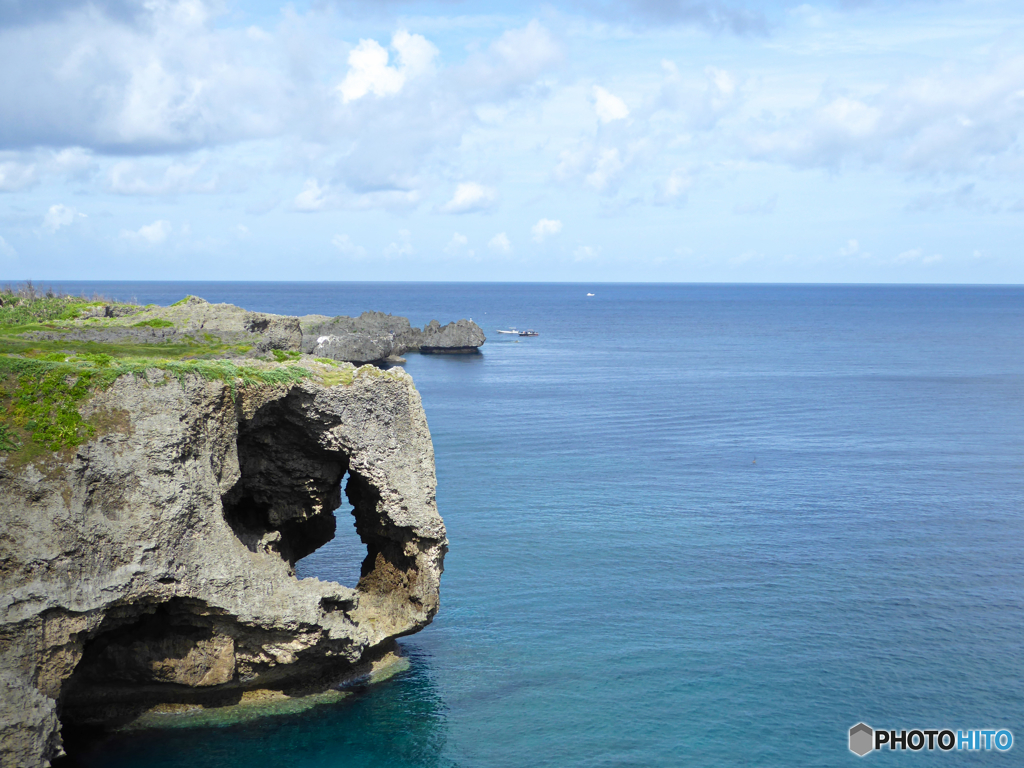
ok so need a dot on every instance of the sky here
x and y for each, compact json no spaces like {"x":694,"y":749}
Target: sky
{"x":577,"y":140}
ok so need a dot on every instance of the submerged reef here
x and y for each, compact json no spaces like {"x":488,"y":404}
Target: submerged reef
{"x":156,"y":496}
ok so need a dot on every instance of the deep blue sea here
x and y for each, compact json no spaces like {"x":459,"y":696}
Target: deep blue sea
{"x":691,"y":525}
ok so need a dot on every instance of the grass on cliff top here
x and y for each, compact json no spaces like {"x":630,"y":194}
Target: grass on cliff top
{"x":40,"y":397}
{"x":27,"y":305}
{"x":43,"y":382}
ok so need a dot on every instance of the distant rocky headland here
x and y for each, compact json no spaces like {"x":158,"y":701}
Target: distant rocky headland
{"x":161,"y":471}
{"x":232,"y":332}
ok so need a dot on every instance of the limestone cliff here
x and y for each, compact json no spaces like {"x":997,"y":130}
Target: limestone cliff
{"x":153,"y":560}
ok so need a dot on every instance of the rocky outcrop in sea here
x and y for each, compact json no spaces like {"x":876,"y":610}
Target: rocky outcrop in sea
{"x":148,"y":551}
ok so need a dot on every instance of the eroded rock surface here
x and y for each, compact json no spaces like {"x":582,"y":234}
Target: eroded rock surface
{"x":375,"y":336}
{"x":154,"y":563}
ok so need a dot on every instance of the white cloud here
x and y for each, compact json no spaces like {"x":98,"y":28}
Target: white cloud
{"x":511,"y":63}
{"x":500,"y":243}
{"x":259,"y":35}
{"x":131,"y":177}
{"x":75,"y":162}
{"x":470,"y":196}
{"x":585,"y":253}
{"x":917,"y":256}
{"x":369,"y":71}
{"x":242,"y":232}
{"x":401,"y":247}
{"x":61,"y":216}
{"x":312,"y":197}
{"x":608,"y":106}
{"x":607,"y":168}
{"x":852,"y":248}
{"x":149,"y":234}
{"x":948,"y":121}
{"x":546,"y":228}
{"x":7,"y":249}
{"x":344,"y":244}
{"x":169,"y":79}
{"x":457,"y":243}
{"x":16,"y":176}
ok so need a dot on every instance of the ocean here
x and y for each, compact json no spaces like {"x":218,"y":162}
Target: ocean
{"x":704,"y":525}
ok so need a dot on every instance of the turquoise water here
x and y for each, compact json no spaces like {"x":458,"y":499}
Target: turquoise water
{"x":690,"y":525}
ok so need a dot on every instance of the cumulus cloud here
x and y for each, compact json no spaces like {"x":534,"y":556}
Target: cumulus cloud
{"x":313,"y":197}
{"x":393,"y":144}
{"x":148,"y":234}
{"x":402,"y":246}
{"x":510,"y":65}
{"x":73,"y":162}
{"x":585,"y":253}
{"x":603,"y":165}
{"x":177,"y":78}
{"x":170,"y":80}
{"x":470,"y":196}
{"x":852,"y":248}
{"x":943,"y":122}
{"x":7,"y":249}
{"x":15,"y":176}
{"x":500,"y":243}
{"x":61,"y":216}
{"x":663,"y":121}
{"x":369,"y":72}
{"x":917,"y":256}
{"x":608,"y":106}
{"x":344,"y":244}
{"x":545,"y":228}
{"x":130,"y":177}
{"x":699,"y":103}
{"x":673,"y":189}
{"x":457,"y":243}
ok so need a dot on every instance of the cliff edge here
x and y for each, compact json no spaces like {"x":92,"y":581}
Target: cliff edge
{"x":152,"y":514}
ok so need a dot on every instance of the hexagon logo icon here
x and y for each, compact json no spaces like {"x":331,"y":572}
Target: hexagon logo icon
{"x":861,"y":739}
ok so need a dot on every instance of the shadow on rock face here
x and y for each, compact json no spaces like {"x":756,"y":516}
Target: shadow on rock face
{"x":289,"y":487}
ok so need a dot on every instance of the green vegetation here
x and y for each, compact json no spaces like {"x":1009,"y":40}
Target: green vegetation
{"x":44,"y":381}
{"x":26,"y":305}
{"x":39,"y":398}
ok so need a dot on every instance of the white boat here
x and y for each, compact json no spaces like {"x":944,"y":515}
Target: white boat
{"x":590,"y":294}
{"x":511,"y":331}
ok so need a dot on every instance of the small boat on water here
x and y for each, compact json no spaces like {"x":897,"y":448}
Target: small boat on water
{"x":513,"y":330}
{"x":530,"y":332}
{"x":590,"y":294}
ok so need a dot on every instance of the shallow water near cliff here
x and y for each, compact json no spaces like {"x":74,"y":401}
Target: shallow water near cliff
{"x":690,"y":525}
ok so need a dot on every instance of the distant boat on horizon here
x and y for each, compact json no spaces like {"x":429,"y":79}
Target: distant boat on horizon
{"x":513,"y":330}
{"x":590,"y":294}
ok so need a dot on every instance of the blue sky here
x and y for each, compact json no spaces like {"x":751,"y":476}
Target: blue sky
{"x":586,"y":140}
